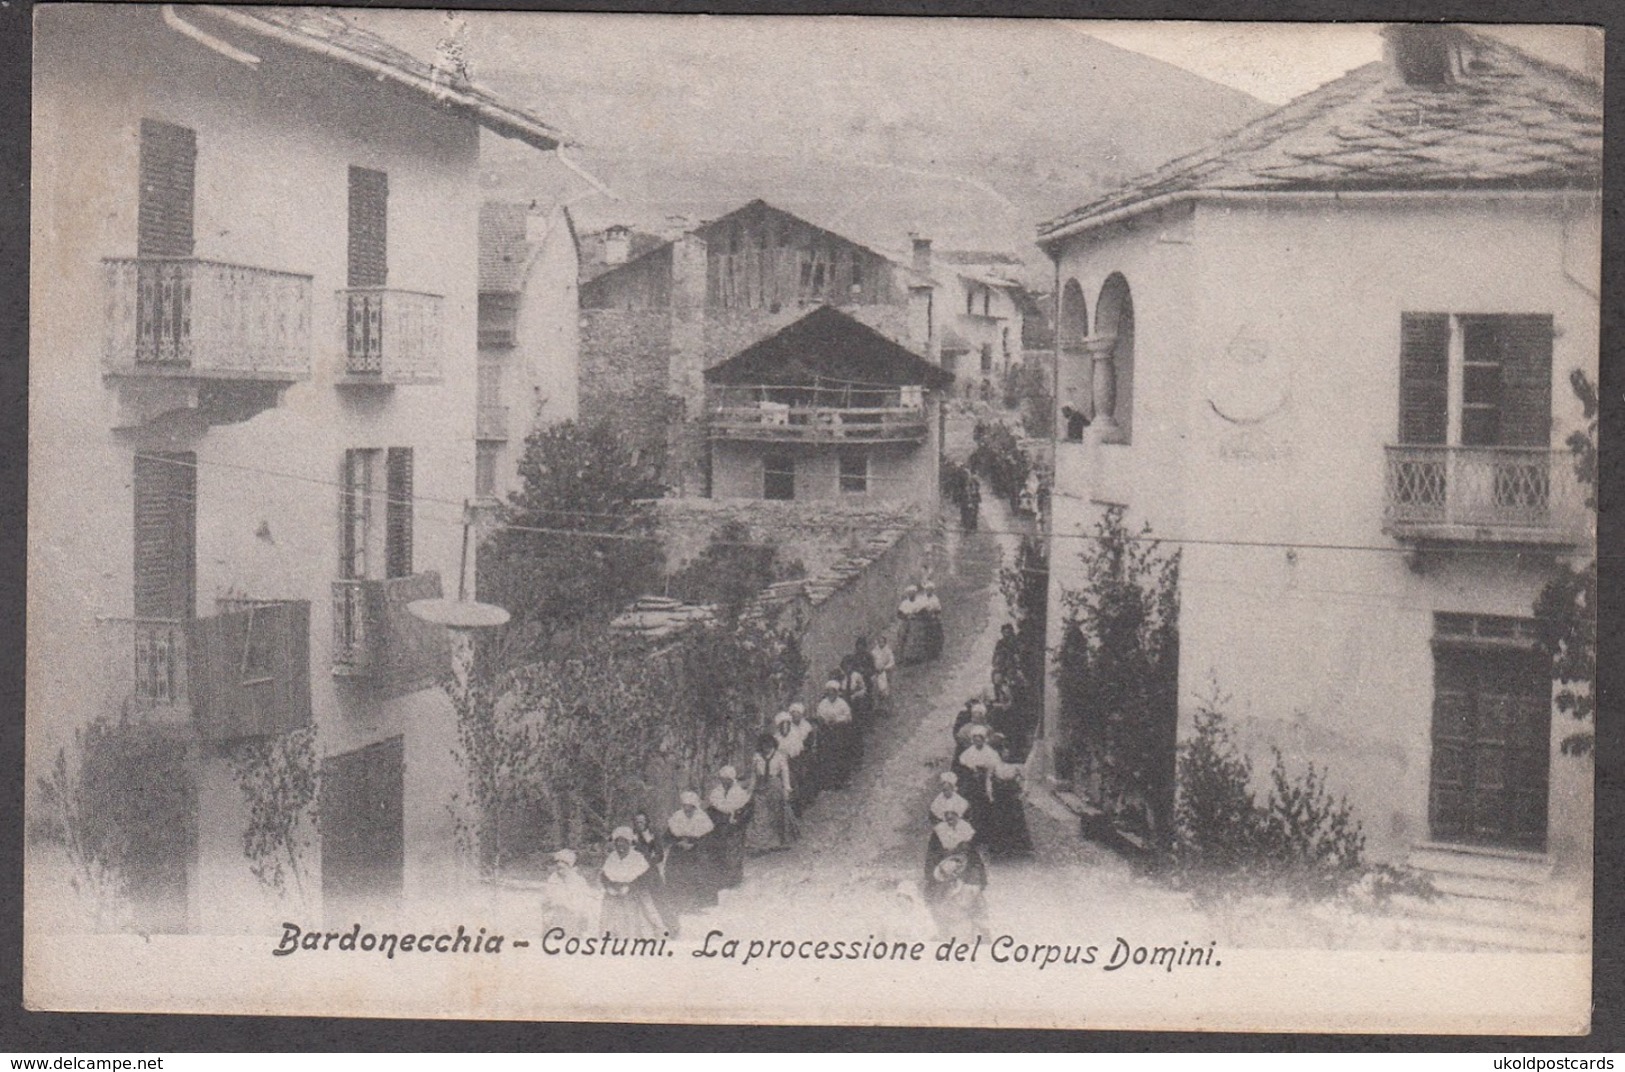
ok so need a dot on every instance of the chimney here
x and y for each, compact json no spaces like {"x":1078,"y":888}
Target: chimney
{"x":617,"y":244}
{"x":922,"y":254}
{"x":1423,"y":54}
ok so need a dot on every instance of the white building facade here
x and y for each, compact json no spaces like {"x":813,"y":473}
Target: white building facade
{"x":252,"y":408}
{"x":1329,"y":359}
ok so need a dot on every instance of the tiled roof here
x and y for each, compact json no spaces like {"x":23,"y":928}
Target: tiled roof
{"x":326,"y":31}
{"x":503,"y":249}
{"x":975,"y":256}
{"x":1510,"y":122}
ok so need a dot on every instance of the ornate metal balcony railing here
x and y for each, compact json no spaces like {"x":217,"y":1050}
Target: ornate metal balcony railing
{"x":147,"y":662}
{"x":491,"y":421}
{"x":391,"y":336}
{"x":1510,"y":494}
{"x":817,"y":414}
{"x":191,"y":317}
{"x":376,"y":639}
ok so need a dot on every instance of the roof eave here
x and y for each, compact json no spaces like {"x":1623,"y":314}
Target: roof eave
{"x":495,"y":117}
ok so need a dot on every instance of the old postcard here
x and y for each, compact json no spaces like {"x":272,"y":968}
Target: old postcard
{"x":812,"y":520}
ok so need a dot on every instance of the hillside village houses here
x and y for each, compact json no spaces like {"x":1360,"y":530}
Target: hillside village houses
{"x":528,"y":334}
{"x":982,"y":309}
{"x":652,"y":325}
{"x":1329,"y":356}
{"x":254,"y":369}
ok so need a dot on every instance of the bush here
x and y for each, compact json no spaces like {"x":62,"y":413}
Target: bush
{"x":1299,"y":839}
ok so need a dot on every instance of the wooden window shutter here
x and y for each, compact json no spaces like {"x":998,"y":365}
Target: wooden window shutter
{"x":168,"y":177}
{"x":398,"y":530}
{"x":369,"y":228}
{"x":165,"y":486}
{"x":1424,"y":378}
{"x":1526,"y":380}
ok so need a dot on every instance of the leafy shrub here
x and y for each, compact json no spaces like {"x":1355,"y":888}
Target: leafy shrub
{"x":999,"y":458}
{"x":1297,"y":839}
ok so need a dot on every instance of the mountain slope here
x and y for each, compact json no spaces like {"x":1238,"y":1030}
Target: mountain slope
{"x":970,"y":130}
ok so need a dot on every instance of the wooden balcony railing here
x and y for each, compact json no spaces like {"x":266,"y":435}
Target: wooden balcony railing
{"x":1484,"y":494}
{"x":817,"y":414}
{"x":391,"y":336}
{"x":197,"y":318}
{"x":491,"y":421}
{"x":377,"y":640}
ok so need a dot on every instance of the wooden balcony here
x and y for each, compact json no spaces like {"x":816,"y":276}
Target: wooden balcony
{"x":491,"y":422}
{"x":773,"y":414}
{"x":220,"y":340}
{"x":391,"y":337}
{"x":241,"y":673}
{"x":1511,"y":495}
{"x":379,"y":643}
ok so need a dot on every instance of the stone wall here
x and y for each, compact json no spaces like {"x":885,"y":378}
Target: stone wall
{"x":625,"y":355}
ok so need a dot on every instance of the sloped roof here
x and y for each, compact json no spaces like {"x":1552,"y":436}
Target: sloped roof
{"x":504,"y":252}
{"x":1509,"y":122}
{"x":912,"y":277}
{"x":825,"y":345}
{"x":975,"y":256}
{"x":327,"y":32}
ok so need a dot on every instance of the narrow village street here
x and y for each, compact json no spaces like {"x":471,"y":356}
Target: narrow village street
{"x":857,"y":844}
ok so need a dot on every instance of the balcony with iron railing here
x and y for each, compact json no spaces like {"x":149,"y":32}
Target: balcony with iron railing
{"x":378,"y":642}
{"x":391,"y":337}
{"x":182,"y":333}
{"x":817,"y":414}
{"x":1515,"y":495}
{"x":491,"y":421}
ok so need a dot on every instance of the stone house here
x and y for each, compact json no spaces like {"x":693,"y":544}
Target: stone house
{"x":653,"y":324}
{"x":253,"y":401}
{"x":1329,"y":357}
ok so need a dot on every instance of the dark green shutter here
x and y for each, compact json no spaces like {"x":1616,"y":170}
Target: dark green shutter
{"x":1526,"y":380}
{"x":369,"y":228}
{"x":1424,"y":378}
{"x":398,"y":531}
{"x":168,"y":177}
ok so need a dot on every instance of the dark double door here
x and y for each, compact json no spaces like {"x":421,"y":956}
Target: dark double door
{"x":1492,"y":712}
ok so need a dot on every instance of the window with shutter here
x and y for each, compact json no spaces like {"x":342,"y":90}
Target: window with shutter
{"x":168,"y":170}
{"x":165,"y":486}
{"x":369,"y":226}
{"x":398,"y":525}
{"x":1424,"y":378}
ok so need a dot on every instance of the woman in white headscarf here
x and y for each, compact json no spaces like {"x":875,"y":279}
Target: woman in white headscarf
{"x":730,"y":806}
{"x":568,"y":899}
{"x":690,"y":879}
{"x":841,"y":745}
{"x":947,"y":798}
{"x":955,"y":877}
{"x":974,"y":767}
{"x":628,"y":911}
{"x":806,"y":761}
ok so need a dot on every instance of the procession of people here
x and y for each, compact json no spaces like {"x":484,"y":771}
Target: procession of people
{"x":656,"y":874}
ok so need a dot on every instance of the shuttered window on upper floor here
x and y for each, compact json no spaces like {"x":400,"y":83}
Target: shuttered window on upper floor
{"x":168,"y":172}
{"x":398,"y":516}
{"x":1503,"y":389}
{"x":369,"y":228}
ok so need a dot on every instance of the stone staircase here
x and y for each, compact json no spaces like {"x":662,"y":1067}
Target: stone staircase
{"x":1493,"y":899}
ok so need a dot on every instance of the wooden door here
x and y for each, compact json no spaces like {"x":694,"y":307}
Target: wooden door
{"x":363,"y":832}
{"x":1491,"y":746}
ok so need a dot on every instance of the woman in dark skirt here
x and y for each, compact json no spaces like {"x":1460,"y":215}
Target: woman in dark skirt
{"x":628,"y":910}
{"x":690,"y":882}
{"x":1009,"y":835}
{"x":730,"y":807}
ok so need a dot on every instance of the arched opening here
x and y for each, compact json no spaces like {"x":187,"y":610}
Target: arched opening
{"x":1073,"y":391}
{"x":1114,"y":364}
